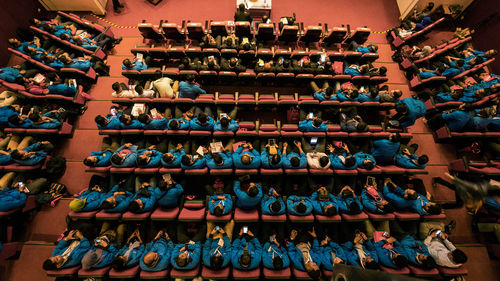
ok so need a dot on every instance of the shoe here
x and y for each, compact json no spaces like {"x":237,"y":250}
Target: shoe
{"x":117,"y":11}
{"x":414,"y":146}
{"x":450,"y":226}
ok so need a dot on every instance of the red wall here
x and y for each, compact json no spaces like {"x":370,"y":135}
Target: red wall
{"x":14,"y":14}
{"x":484,"y":17}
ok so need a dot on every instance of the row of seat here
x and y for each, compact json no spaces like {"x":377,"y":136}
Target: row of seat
{"x":431,"y":104}
{"x":79,"y":97}
{"x":86,"y":24}
{"x":463,"y":165}
{"x":191,"y":31}
{"x":20,"y":168}
{"x":65,"y":130}
{"x":397,"y":41}
{"x":444,"y":134}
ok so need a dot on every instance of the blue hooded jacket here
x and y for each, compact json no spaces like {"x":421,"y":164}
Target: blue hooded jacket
{"x":326,"y":255}
{"x":227,"y":161}
{"x":254,"y":248}
{"x":294,"y":200}
{"x":130,"y":158}
{"x":213,"y":201}
{"x":164,"y":249}
{"x":75,"y":257}
{"x":11,"y":199}
{"x":297,"y":258}
{"x":194,"y":251}
{"x":212,"y":248}
{"x":266,"y":203}
{"x":171,"y":199}
{"x":155,"y":158}
{"x":177,"y":158}
{"x":255,"y":164}
{"x":244,"y":200}
{"x":271,"y":250}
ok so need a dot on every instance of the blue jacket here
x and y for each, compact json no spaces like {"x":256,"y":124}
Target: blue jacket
{"x":266,"y":203}
{"x":156,"y":124}
{"x":352,"y":254}
{"x":227,"y":203}
{"x":427,"y":74}
{"x":109,"y":255}
{"x":227,"y":158}
{"x":171,"y":199}
{"x":75,"y":257}
{"x":418,"y":204}
{"x":62,"y":89}
{"x":271,"y":250}
{"x":254,"y":248}
{"x":6,"y":159}
{"x":130,"y":158}
{"x":11,"y":199}
{"x":265,"y":159}
{"x":135,"y":255}
{"x":139,"y":65}
{"x":396,"y":198}
{"x":408,"y":162}
{"x":294,"y":200}
{"x":197,"y":126}
{"x":322,"y":96}
{"x":384,"y":255}
{"x":411,"y":247}
{"x":255,"y":164}
{"x":307,"y":126}
{"x":370,"y":204}
{"x":336,"y":162}
{"x":103,"y":158}
{"x":478,"y":123}
{"x":27,"y":124}
{"x":164,"y":250}
{"x":212,"y":248}
{"x":233,"y":126}
{"x":5,"y":113}
{"x":384,"y":150}
{"x":361,"y":157}
{"x":149,"y":202}
{"x":297,"y":258}
{"x":93,"y":200}
{"x":136,"y":124}
{"x":416,"y":109}
{"x":9,"y":74}
{"x":155,"y":158}
{"x":194,"y":251}
{"x":35,"y":159}
{"x":492,"y":203}
{"x":244,"y":200}
{"x":456,"y":120}
{"x":189,"y":90}
{"x":285,"y":159}
{"x":177,"y":158}
{"x":123,"y":201}
{"x":183,"y":124}
{"x":344,"y":203}
{"x":199,"y":163}
{"x":318,"y":206}
{"x":113,"y":124}
{"x":326,"y":255}
{"x":82,"y":65}
{"x":353,"y":71}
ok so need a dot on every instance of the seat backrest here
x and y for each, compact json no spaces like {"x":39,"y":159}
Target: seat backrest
{"x":218,"y":28}
{"x":195,"y":30}
{"x":265,"y":28}
{"x":242,"y":28}
{"x":147,"y":30}
{"x":313,"y":33}
{"x":337,"y":34}
{"x":361,"y":35}
{"x":171,"y":30}
{"x":290,"y":30}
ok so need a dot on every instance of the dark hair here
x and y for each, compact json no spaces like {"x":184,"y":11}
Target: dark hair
{"x":142,"y":161}
{"x":429,"y":263}
{"x":116,"y":86}
{"x":323,"y":161}
{"x":371,"y":265}
{"x":277,"y":262}
{"x":48,"y":27}
{"x":397,"y":94}
{"x":434,"y":209}
{"x":253,"y":191}
{"x":34,"y":116}
{"x":116,"y":159}
{"x":167,"y":158}
{"x":241,"y":7}
{"x":182,"y":262}
{"x":216,"y":262}
{"x":315,"y":274}
{"x":119,"y":263}
{"x":275,"y":159}
{"x":458,"y":256}
{"x":107,"y":205}
{"x":300,"y":208}
{"x":134,"y":207}
{"x":143,"y":118}
{"x":382,"y":70}
{"x":185,"y":61}
{"x":190,"y":78}
{"x":218,"y":159}
{"x":186,"y":160}
{"x":329,"y":91}
{"x":369,"y":165}
{"x":123,"y":118}
{"x":88,"y":162}
{"x":224,"y":122}
{"x":49,"y":265}
{"x":361,"y":126}
{"x":174,"y":124}
{"x":317,"y":122}
{"x":139,"y":89}
{"x":412,"y":196}
{"x":401,"y":108}
{"x":400,"y":261}
{"x":100,"y":120}
{"x":16,"y":155}
{"x":295,"y":161}
{"x":275,"y":207}
{"x":127,"y":63}
{"x":66,"y":37}
{"x":387,"y":208}
{"x":350,"y":161}
{"x":330,"y":211}
{"x":229,"y":42}
{"x":354,"y":208}
{"x":422,"y":159}
{"x":245,"y":259}
{"x":218,"y":211}
{"x":14,"y":119}
{"x":202,"y":117}
{"x":460,"y":63}
{"x":396,"y":137}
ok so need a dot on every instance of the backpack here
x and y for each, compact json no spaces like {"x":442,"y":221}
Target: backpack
{"x":55,"y":192}
{"x":55,"y":167}
{"x":292,"y":115}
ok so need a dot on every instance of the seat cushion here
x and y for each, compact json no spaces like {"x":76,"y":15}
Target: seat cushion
{"x":127,"y":273}
{"x":103,"y":215}
{"x":165,"y":214}
{"x":191,"y":215}
{"x":82,"y":215}
{"x":326,"y":219}
{"x":241,"y":215}
{"x":185,"y":274}
{"x":404,"y":270}
{"x":308,"y":218}
{"x":358,"y":217}
{"x":100,"y":272}
{"x":246,"y":274}
{"x":453,"y":271}
{"x":136,"y":217}
{"x":277,"y":274}
{"x":267,"y":218}
{"x":419,"y":272}
{"x":63,"y":272}
{"x":380,"y":217}
{"x":154,"y":274}
{"x":406,"y":215}
{"x":209,"y":273}
{"x":211,"y":217}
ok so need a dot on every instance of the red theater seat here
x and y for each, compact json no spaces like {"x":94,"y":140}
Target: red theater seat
{"x":124,"y":274}
{"x":241,"y":215}
{"x":222,"y":274}
{"x":246,"y":274}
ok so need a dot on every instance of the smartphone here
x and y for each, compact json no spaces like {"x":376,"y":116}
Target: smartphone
{"x":362,"y":89}
{"x":113,"y":111}
{"x":385,"y":234}
{"x":271,"y":239}
{"x":310,"y":115}
{"x":223,"y":115}
{"x":314,"y":140}
{"x":245,"y":229}
{"x":217,"y":228}
{"x":19,"y":183}
{"x":438,"y":233}
{"x":272,"y":142}
{"x":98,"y":240}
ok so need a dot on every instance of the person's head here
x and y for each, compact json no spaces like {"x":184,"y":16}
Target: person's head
{"x":90,"y":161}
{"x":174,"y":124}
{"x":458,"y":256}
{"x":119,"y":263}
{"x":382,"y":71}
{"x":100,"y":120}
{"x":125,"y":119}
{"x":350,"y":161}
{"x":253,"y":190}
{"x":330,"y":210}
{"x":265,"y":18}
{"x":216,"y":262}
{"x":433,"y":208}
{"x":143,"y":118}
{"x":127,"y":63}
{"x":275,"y":207}
{"x":224,"y":122}
{"x":229,"y":42}
{"x":218,"y":160}
{"x":136,"y":206}
{"x":245,"y":259}
{"x":14,"y":42}
{"x":35,"y":116}
{"x":354,"y":208}
{"x":396,"y":137}
{"x":410,"y":194}
{"x":182,"y":259}
{"x":211,"y":64}
{"x":143,"y":160}
{"x":317,"y":122}
{"x":29,"y":50}
{"x":219,"y":210}
{"x":241,"y":7}
{"x":77,"y":204}
{"x":168,"y":157}
{"x":373,"y":48}
{"x":371,"y":264}
{"x":491,"y":53}
{"x":48,"y":27}
{"x":185,"y":61}
{"x":422,"y":159}
{"x":151,"y":259}
{"x":109,"y":203}
{"x":275,"y":159}
{"x":387,"y":208}
{"x":246,"y":46}
{"x":361,"y":126}
{"x":190,"y":78}
{"x":18,"y":154}
{"x":186,"y":160}
{"x":397,"y":94}
{"x":277,"y":262}
{"x":323,"y":161}
{"x":295,"y":161}
{"x":246,"y":159}
{"x":53,"y":263}
{"x":35,"y":22}
{"x":440,"y":70}
{"x":368,"y":164}
{"x":399,"y":260}
{"x":65,"y":36}
{"x":117,"y":159}
{"x":78,"y":40}
{"x":402,"y":108}
{"x":15,"y":119}
{"x":301,"y":208}
{"x":202,"y":117}
{"x":329,"y":91}
{"x":312,"y":270}
{"x":427,"y":262}
{"x":139,"y":89}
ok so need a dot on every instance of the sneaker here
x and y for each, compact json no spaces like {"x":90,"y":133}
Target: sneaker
{"x":450,"y":226}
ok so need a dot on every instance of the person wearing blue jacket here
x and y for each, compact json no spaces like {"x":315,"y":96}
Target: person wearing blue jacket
{"x":202,"y":123}
{"x":8,"y":111}
{"x":384,"y":150}
{"x":186,"y":256}
{"x":456,"y":120}
{"x":157,"y":254}
{"x":324,"y":203}
{"x":270,"y":157}
{"x":152,"y":123}
{"x":168,"y":194}
{"x":304,"y":252}
{"x":30,"y":155}
{"x":135,"y":64}
{"x":411,"y":161}
{"x":299,"y":205}
{"x":9,"y":74}
{"x":399,"y":198}
{"x":62,"y":89}
{"x":312,"y":125}
{"x":68,"y":252}
{"x":89,"y":200}
{"x":248,"y":159}
{"x":117,"y":201}
{"x":492,"y":203}
{"x":144,"y":199}
{"x":352,"y":249}
{"x":111,"y":122}
{"x":173,"y":158}
{"x":324,"y":94}
{"x":408,"y":111}
{"x":103,"y":250}
{"x":12,"y":198}
{"x":178,"y":124}
{"x":220,"y":205}
{"x":423,"y":206}
{"x":249,"y":194}
{"x":125,"y":156}
{"x":272,"y":204}
{"x":373,"y":200}
{"x":331,"y":253}
{"x":219,"y":160}
{"x":348,"y":201}
{"x":341,"y":158}
{"x":226,"y":124}
{"x":5,"y":158}
{"x":246,"y":252}
{"x":130,"y":254}
{"x":416,"y":253}
{"x":365,"y":160}
{"x":275,"y":255}
{"x":19,"y":121}
{"x":217,"y":249}
{"x":149,"y":158}
{"x":129,"y":123}
{"x":189,"y":89}
{"x":98,"y":159}
{"x":197,"y":161}
{"x":294,"y":160}
{"x":390,"y":253}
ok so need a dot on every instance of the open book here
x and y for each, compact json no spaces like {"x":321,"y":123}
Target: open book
{"x":216,"y":147}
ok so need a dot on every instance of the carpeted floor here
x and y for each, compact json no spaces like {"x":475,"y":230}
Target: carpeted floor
{"x":379,"y":15}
